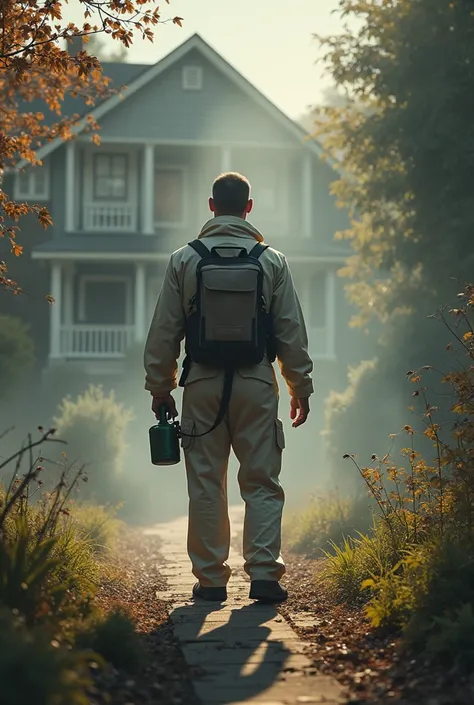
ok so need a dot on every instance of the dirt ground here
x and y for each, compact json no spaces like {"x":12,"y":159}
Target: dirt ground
{"x":372,"y":665}
{"x":339,"y":641}
{"x":164,"y":677}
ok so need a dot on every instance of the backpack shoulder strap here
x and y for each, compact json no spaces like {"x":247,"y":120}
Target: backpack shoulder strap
{"x":199,"y":247}
{"x":258,"y":250}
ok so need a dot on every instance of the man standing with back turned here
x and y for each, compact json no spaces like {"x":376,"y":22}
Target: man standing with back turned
{"x":247,"y":419}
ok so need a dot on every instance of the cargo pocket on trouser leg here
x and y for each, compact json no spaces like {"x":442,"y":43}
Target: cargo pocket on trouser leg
{"x":280,"y":434}
{"x":187,"y":431}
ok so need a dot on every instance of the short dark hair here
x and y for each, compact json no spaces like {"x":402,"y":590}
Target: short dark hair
{"x":231,"y":193}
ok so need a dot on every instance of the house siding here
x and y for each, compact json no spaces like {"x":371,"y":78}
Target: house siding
{"x":220,"y":111}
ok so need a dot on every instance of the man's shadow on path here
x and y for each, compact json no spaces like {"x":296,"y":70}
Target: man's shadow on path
{"x":236,"y":641}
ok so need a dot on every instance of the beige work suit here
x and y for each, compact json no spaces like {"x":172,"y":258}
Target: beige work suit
{"x":251,"y":427}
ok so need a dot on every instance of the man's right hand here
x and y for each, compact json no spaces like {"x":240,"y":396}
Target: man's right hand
{"x":299,"y":410}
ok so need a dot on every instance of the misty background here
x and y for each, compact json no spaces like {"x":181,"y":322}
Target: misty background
{"x":277,"y":52}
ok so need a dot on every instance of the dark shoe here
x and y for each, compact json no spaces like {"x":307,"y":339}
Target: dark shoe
{"x":212,"y":594}
{"x":267,"y":591}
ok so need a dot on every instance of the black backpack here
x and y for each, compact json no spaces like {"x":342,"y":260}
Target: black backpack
{"x":228,"y":324}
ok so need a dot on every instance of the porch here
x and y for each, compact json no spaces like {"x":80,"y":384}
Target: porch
{"x":100,"y":311}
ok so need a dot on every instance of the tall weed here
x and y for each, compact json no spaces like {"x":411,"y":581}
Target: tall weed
{"x":416,"y":568}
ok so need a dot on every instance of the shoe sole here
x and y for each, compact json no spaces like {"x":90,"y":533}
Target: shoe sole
{"x":216,"y":597}
{"x":261,"y":597}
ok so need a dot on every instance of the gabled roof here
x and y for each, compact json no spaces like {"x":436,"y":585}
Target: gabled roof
{"x":140,"y":78}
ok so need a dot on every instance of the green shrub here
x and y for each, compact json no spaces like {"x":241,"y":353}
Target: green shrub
{"x":17,"y":353}
{"x":49,"y":567}
{"x":34,"y":668}
{"x":60,"y":380}
{"x":326,"y":519}
{"x":97,"y":524}
{"x":115,"y":638}
{"x":93,"y":425}
{"x":417,"y":566}
{"x":359,"y":559}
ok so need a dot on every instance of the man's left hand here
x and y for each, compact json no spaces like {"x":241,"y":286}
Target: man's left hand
{"x":164,"y":400}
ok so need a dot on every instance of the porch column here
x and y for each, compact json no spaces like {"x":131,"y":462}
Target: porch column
{"x":307,"y":196}
{"x":55,"y":320}
{"x":68,"y":308}
{"x":331,"y":312}
{"x":70,"y":186}
{"x":226,"y":159}
{"x":140,"y":302}
{"x":148,"y":189}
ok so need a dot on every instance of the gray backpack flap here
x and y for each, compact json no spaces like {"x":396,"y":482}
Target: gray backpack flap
{"x":228,"y":324}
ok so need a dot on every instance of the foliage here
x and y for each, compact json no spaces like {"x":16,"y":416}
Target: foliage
{"x":404,"y":145}
{"x":417,"y":567}
{"x":37,"y":71}
{"x":46,"y":567}
{"x":97,"y":47}
{"x":114,"y":637}
{"x":350,"y":565}
{"x":17,"y":353}
{"x":93,"y":425}
{"x":52,"y":560}
{"x":97,"y":524}
{"x":326,"y":519}
{"x":36,"y":668}
{"x":406,"y":161}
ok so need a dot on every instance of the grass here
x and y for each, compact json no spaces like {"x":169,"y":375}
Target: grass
{"x":54,"y":555}
{"x":325,"y":521}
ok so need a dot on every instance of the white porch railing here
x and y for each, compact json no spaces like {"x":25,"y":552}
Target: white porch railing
{"x":115,"y":217}
{"x":95,"y":340}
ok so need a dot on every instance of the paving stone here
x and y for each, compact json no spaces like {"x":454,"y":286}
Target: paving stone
{"x":242,"y":652}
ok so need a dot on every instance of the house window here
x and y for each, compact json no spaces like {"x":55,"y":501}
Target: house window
{"x":169,"y":196}
{"x":32,"y":183}
{"x":192,"y":78}
{"x":318,"y":301}
{"x":110,"y":177}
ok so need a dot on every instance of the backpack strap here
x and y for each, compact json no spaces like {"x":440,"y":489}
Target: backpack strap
{"x":224,"y":405}
{"x":258,"y":250}
{"x":199,"y":247}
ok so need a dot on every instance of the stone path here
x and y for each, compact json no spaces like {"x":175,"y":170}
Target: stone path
{"x":240,"y":651}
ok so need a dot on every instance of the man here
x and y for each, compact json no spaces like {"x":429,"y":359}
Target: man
{"x":251,"y":426}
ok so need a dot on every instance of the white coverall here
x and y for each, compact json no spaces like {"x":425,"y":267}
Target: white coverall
{"x":251,"y":427}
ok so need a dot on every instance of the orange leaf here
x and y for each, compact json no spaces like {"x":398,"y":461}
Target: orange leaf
{"x":178,"y":21}
{"x":17,"y":249}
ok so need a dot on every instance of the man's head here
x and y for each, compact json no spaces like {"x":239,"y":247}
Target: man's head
{"x":231,"y":195}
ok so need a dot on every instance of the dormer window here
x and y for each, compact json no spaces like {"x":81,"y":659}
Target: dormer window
{"x":32,"y":183}
{"x":192,"y":78}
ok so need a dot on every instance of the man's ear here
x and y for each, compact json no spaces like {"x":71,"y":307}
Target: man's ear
{"x":212,"y":205}
{"x":249,"y":206}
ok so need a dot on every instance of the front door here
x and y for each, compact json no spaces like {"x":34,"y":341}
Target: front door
{"x":104,"y":301}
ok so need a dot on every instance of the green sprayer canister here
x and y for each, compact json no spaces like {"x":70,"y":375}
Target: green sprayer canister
{"x":164,"y":440}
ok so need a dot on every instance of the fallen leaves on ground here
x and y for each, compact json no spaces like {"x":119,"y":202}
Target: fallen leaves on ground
{"x":373,"y":666}
{"x":165,"y":677}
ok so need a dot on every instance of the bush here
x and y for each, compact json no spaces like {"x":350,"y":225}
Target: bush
{"x":97,"y":524}
{"x":17,"y":353}
{"x":34,"y":668}
{"x":417,"y":567}
{"x":361,"y":419}
{"x":115,"y":638}
{"x":94,"y":426}
{"x":327,"y":519}
{"x":60,"y":380}
{"x":50,"y":549}
{"x":348,"y":567}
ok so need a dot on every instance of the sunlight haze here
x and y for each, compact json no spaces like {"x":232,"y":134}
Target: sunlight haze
{"x":270,"y":43}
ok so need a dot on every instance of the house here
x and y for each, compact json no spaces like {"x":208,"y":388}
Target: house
{"x":119,"y":209}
